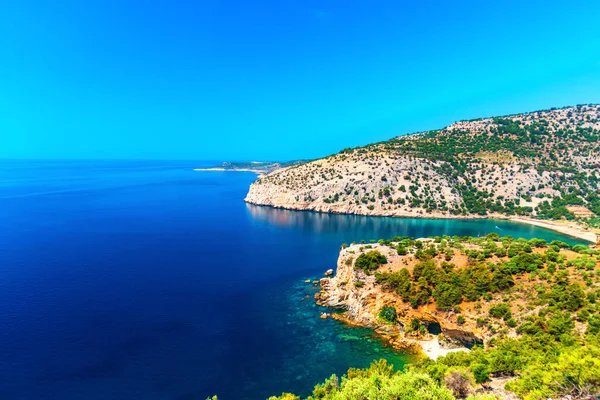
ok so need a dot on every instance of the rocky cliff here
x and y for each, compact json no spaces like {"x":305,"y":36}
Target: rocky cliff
{"x":536,"y":164}
{"x":362,"y":298}
{"x":459,"y":291}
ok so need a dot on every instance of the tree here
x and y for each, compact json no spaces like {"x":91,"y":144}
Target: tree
{"x":481,"y":373}
{"x":388,"y":313}
{"x":370,"y":261}
{"x":460,"y":381}
{"x":501,"y":310}
{"x":446,"y":296}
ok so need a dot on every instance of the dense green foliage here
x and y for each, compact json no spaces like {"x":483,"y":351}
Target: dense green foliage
{"x":378,"y":382}
{"x":494,"y":264}
{"x":370,"y":261}
{"x":388,"y":313}
{"x":543,"y":366}
{"x":556,"y":350}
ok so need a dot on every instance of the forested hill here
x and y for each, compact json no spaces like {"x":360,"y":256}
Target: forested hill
{"x":544,"y":164}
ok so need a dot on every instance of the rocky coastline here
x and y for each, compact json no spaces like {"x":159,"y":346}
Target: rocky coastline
{"x":360,"y":298}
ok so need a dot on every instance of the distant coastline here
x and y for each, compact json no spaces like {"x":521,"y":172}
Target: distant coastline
{"x":258,"y":167}
{"x":221,"y":169}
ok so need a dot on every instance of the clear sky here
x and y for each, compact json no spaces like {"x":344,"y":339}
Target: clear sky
{"x":255,"y":79}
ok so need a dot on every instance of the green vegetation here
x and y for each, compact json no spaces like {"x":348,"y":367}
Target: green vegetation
{"x":494,"y":265}
{"x":370,"y":261}
{"x":537,"y":301}
{"x":501,"y":310}
{"x":378,"y":382}
{"x":573,"y":370}
{"x":542,"y":365}
{"x":388,"y":313}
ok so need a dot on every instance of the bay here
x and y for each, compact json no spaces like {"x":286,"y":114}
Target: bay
{"x":147,"y":280}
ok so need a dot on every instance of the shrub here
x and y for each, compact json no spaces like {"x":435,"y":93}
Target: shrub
{"x":481,"y":373}
{"x":501,"y":310}
{"x":460,"y":380}
{"x":446,"y":295}
{"x":388,"y":313}
{"x":415,"y":324}
{"x":379,"y":381}
{"x":370,"y":261}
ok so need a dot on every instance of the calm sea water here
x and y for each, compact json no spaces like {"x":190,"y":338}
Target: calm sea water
{"x":146,"y":280}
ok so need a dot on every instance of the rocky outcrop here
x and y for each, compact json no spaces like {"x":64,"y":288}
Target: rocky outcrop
{"x":361,"y":299}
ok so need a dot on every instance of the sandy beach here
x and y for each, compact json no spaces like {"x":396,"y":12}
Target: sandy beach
{"x":433,"y":350}
{"x":566,"y":227}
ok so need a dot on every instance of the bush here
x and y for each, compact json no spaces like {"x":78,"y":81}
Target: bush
{"x":415,"y":324}
{"x":481,"y":373}
{"x":380,"y":382}
{"x":460,"y":381}
{"x":446,"y":295}
{"x":284,"y":396}
{"x":370,"y":261}
{"x":388,"y":313}
{"x":501,"y":310}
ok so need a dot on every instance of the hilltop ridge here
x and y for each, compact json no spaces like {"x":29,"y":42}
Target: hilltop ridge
{"x":543,"y":164}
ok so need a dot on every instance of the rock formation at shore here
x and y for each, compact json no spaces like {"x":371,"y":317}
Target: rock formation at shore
{"x":451,"y":289}
{"x":362,"y":298}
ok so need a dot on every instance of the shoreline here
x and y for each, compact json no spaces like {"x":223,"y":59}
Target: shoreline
{"x":429,"y":346}
{"x":556,"y":226}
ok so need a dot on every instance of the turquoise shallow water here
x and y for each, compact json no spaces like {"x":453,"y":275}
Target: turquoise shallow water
{"x":311,"y":348}
{"x":146,"y":280}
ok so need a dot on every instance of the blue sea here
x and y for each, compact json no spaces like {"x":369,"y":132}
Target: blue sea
{"x":148,"y":280}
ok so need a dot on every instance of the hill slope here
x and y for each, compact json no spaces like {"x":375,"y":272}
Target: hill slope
{"x":532,"y":305}
{"x":543,"y":164}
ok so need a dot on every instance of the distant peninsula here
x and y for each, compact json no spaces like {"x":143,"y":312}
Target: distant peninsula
{"x":540,"y":167}
{"x":258,"y":167}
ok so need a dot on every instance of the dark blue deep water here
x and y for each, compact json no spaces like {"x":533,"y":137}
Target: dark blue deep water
{"x":147,"y":280}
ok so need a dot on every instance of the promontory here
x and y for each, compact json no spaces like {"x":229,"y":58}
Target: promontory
{"x":543,"y":165}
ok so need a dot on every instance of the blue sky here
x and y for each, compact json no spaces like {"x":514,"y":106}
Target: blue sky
{"x":277,"y":79}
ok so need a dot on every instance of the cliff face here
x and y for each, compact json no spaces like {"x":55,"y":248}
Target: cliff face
{"x":356,"y":182}
{"x":362,"y":299}
{"x":470,"y":290}
{"x":510,"y":165}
